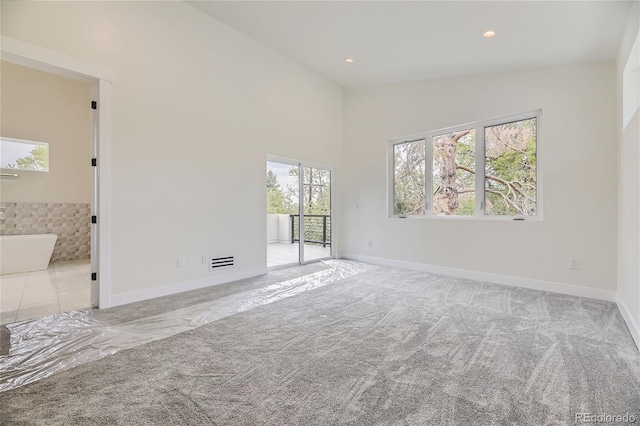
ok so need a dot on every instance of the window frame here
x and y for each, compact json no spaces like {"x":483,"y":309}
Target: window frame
{"x":392,"y":166}
{"x":479,"y":212}
{"x":27,"y":142}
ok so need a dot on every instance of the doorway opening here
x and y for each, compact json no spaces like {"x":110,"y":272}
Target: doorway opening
{"x":299,"y":213}
{"x":47,"y":185}
{"x":99,"y":79}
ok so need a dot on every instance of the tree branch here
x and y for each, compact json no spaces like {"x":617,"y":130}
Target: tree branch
{"x":456,"y":136}
{"x":466,"y":190}
{"x":506,"y":200}
{"x":497,"y":179}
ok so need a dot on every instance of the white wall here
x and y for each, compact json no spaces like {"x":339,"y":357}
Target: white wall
{"x":197,"y":107}
{"x":278,"y":228}
{"x":577,"y":156}
{"x":630,"y":83}
{"x":629,"y":187}
{"x":272,"y":228}
{"x":48,"y":108}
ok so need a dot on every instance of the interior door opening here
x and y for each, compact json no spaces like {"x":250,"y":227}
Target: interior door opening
{"x":299,"y":219}
{"x":49,"y":194}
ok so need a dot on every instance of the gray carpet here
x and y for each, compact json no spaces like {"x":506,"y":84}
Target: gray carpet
{"x":160,"y":305}
{"x":387,"y":346}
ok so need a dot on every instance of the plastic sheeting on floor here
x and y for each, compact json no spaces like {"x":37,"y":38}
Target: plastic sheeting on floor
{"x":44,"y":346}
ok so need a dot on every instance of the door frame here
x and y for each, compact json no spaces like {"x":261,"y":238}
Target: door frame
{"x":302,"y":165}
{"x":100,"y":78}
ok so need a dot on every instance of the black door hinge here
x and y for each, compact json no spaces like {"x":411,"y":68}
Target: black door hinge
{"x":94,"y":219}
{"x":94,"y":162}
{"x":94,"y":276}
{"x":94,"y":105}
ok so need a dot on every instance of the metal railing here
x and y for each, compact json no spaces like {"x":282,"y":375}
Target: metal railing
{"x":317,"y":229}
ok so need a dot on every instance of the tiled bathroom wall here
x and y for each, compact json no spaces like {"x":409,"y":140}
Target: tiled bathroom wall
{"x":70,"y":222}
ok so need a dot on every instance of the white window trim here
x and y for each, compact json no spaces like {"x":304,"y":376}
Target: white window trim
{"x":479,"y":127}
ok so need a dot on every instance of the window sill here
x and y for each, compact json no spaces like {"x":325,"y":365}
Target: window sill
{"x":472,"y":218}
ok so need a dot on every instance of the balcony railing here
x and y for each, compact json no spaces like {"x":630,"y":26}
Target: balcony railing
{"x":317,"y":229}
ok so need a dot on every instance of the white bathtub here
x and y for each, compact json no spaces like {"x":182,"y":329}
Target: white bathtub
{"x":25,"y":253}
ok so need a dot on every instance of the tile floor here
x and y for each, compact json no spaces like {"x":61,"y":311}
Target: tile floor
{"x":64,"y":286}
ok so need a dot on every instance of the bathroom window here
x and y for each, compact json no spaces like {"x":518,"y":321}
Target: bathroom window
{"x":17,"y":154}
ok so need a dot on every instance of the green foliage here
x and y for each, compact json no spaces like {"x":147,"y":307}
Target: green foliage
{"x":460,"y":146}
{"x":277,"y":201}
{"x":511,"y":164}
{"x":36,"y":160}
{"x":272,"y":180}
{"x":467,"y":207}
{"x":316,"y":194}
{"x":510,"y":172}
{"x":409,"y":169}
{"x":316,"y":198}
{"x":316,"y":189}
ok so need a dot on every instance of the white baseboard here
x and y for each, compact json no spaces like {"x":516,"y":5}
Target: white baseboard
{"x":572,"y":290}
{"x":166,"y":290}
{"x":626,"y":315}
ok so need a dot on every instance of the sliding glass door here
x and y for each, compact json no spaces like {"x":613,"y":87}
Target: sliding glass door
{"x":298,"y":213}
{"x":283,"y":209}
{"x":316,"y":202}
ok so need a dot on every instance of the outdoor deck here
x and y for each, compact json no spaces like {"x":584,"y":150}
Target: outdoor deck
{"x":283,"y":253}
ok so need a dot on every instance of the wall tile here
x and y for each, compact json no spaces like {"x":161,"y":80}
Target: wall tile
{"x":70,"y":222}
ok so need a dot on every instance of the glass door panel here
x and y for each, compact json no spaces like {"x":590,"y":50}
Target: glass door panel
{"x":316,"y":223}
{"x":283,"y":214}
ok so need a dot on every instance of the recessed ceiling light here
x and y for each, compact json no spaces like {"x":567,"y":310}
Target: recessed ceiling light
{"x":488,"y":34}
{"x":348,"y":60}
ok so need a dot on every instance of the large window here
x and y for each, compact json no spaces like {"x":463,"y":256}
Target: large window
{"x":484,"y":169}
{"x":19,"y":154}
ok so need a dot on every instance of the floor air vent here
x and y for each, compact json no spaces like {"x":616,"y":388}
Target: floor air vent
{"x":221,"y":262}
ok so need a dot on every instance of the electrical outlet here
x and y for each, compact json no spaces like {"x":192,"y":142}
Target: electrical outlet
{"x":369,"y":243}
{"x":575,"y":263}
{"x":205,"y":259}
{"x":181,"y":261}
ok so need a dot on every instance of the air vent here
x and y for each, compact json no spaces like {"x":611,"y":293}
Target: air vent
{"x":221,"y":262}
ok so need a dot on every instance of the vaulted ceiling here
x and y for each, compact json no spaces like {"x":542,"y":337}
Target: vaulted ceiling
{"x":393,"y":41}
